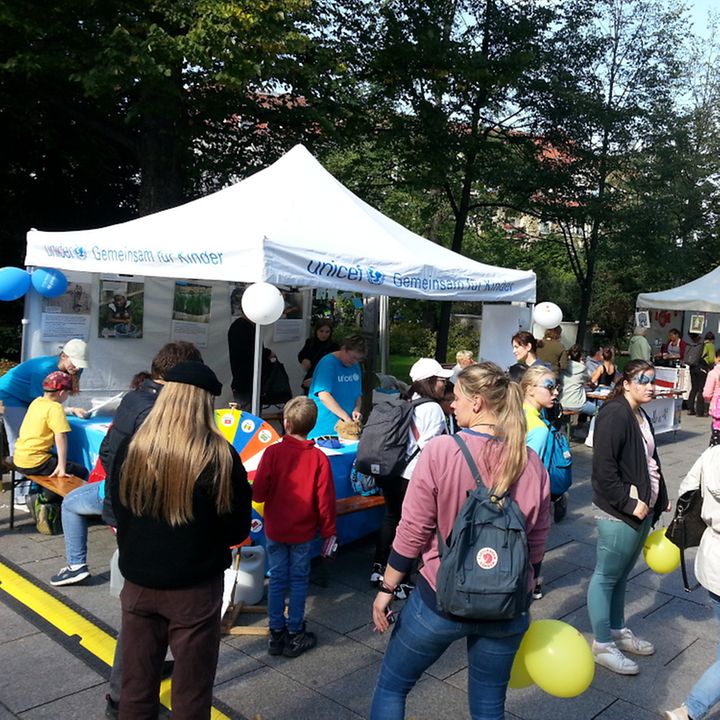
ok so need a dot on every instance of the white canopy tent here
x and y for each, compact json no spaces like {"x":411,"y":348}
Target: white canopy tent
{"x":701,"y":295}
{"x":290,"y":224}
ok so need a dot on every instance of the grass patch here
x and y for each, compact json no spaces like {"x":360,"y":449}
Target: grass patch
{"x":399,"y":366}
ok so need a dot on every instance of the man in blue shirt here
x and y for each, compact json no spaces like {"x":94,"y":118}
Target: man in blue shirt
{"x":23,"y":383}
{"x":336,"y":386}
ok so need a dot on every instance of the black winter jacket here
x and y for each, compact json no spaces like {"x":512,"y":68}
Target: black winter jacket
{"x":129,"y":416}
{"x":155,"y":554}
{"x":620,"y":475}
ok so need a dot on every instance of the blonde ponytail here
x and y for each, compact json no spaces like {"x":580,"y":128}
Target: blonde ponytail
{"x":503,"y":397}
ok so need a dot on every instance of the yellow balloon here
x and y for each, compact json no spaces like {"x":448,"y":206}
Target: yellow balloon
{"x":519,"y":677}
{"x":558,"y":658}
{"x":660,"y":554}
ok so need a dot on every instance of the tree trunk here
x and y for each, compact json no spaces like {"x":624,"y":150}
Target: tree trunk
{"x":160,"y":145}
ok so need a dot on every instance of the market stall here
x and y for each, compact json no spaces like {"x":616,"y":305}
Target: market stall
{"x":292,"y":224}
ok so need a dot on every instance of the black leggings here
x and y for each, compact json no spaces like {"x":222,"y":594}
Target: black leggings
{"x":394,"y":493}
{"x":695,"y":401}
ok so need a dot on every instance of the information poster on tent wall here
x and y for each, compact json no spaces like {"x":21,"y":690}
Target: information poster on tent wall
{"x":236,"y":293}
{"x":122,"y":306}
{"x":191,"y":313}
{"x":68,"y":315}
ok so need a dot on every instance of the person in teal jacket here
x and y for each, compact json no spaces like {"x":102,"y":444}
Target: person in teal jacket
{"x":540,"y":390}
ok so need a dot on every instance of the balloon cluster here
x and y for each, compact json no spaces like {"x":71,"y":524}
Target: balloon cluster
{"x":556,"y":657}
{"x":15,"y":282}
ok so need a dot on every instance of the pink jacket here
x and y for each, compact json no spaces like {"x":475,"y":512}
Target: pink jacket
{"x":439,"y":487}
{"x":711,"y":391}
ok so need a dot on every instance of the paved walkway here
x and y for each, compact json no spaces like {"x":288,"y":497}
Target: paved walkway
{"x":46,"y":674}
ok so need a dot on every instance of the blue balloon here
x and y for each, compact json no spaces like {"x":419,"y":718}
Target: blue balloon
{"x":14,"y":283}
{"x":49,"y":282}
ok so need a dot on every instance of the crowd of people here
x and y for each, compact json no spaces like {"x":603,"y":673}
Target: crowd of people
{"x":185,"y":493}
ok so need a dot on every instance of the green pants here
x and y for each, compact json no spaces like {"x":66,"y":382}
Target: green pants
{"x":618,"y":548}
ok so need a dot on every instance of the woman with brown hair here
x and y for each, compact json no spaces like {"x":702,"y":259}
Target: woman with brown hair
{"x":315,"y":349}
{"x":181,"y":498}
{"x":488,"y":408}
{"x":606,"y":373}
{"x":629,"y":495}
{"x":426,"y":392}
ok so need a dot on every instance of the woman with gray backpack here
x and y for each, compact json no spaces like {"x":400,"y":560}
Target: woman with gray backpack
{"x":484,"y":478}
{"x":428,"y":421}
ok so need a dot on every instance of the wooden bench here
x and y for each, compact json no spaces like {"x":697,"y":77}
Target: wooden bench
{"x":59,"y":485}
{"x":358,"y":503}
{"x":568,"y":416}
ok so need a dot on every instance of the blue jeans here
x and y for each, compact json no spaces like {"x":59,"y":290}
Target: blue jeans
{"x":76,"y":507}
{"x":618,"y":548}
{"x":706,"y":692}
{"x":289,"y":573}
{"x":421,"y":636}
{"x":588,"y":408}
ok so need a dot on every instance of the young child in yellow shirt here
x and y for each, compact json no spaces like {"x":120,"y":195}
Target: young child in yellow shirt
{"x":45,"y":425}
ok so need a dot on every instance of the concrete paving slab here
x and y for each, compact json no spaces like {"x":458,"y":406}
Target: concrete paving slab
{"x":78,"y":706}
{"x":5,"y":714}
{"x":335,"y":656}
{"x":268,"y":694}
{"x":534,"y":704}
{"x":355,"y":690}
{"x":13,"y":625}
{"x":22,"y":688}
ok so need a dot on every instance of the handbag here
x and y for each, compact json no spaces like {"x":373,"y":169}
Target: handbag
{"x":687,"y":527}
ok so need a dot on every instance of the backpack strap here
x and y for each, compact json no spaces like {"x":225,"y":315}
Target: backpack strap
{"x":469,"y":460}
{"x":413,"y":428}
{"x":442,"y":544}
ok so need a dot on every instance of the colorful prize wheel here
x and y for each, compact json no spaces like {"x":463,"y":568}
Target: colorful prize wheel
{"x":250,"y":436}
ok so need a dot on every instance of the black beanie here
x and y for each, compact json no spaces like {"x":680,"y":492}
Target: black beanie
{"x":197,"y":374}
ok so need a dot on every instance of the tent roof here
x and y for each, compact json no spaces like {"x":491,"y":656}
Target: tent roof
{"x":702,"y":295}
{"x":291,"y":224}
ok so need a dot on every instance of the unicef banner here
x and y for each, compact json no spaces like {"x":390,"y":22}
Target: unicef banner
{"x":140,"y":248}
{"x":475,"y":282}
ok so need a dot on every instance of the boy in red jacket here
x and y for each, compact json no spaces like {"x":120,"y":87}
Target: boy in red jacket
{"x":295,"y":482}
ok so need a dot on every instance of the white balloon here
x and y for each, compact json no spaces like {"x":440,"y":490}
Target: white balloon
{"x":262,"y":303}
{"x":547,"y":315}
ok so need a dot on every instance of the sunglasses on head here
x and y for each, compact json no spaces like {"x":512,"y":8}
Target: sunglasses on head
{"x":644,"y":379}
{"x":549,"y":385}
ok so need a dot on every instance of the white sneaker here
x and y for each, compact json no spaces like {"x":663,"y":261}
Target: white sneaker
{"x":627,"y":641}
{"x":608,"y":656}
{"x":680,"y":713}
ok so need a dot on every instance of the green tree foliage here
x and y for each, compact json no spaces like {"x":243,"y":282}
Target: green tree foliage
{"x":445,"y":87}
{"x":171,"y":98}
{"x":610,"y":107}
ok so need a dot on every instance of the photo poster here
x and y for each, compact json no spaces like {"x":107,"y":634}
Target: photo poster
{"x":697,"y":324}
{"x":236,"y":293}
{"x":293,"y":301}
{"x":642,"y":319}
{"x":191,"y":313}
{"x":68,"y":315}
{"x":122,"y":306}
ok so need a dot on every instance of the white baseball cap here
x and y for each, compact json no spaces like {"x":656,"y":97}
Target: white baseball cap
{"x":426,"y":368}
{"x":76,"y":350}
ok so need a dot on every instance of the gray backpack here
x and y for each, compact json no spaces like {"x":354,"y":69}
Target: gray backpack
{"x":485,"y":562}
{"x":382,"y":450}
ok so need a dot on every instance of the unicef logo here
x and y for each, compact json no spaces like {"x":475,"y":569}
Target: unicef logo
{"x":80,"y":253}
{"x":375,"y":276}
{"x":356,"y":377}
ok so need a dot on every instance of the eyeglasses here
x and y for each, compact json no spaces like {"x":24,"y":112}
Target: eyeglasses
{"x":549,"y":385}
{"x":644,"y":379}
